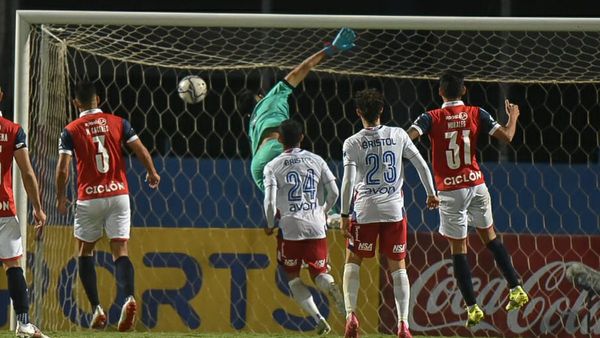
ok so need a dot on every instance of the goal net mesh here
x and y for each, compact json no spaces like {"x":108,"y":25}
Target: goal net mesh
{"x":203,"y":263}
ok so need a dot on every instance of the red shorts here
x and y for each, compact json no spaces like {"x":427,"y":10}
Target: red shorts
{"x":313,"y":252}
{"x":392,"y":239}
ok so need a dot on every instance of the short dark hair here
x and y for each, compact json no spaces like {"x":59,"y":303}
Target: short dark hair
{"x":451,"y":84}
{"x":370,"y":102}
{"x":85,"y":91}
{"x":291,"y":132}
{"x":246,"y":100}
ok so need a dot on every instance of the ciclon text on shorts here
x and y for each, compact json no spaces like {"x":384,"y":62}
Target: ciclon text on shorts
{"x":104,"y":188}
{"x":472,"y":176}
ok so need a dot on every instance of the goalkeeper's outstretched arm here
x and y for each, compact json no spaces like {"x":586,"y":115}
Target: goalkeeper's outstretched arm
{"x":342,"y":42}
{"x":299,"y":73}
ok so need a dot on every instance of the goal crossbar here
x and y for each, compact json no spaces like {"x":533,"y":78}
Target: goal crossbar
{"x":308,"y":21}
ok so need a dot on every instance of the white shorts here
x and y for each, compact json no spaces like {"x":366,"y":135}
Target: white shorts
{"x":11,"y":245}
{"x":460,"y":208}
{"x":110,"y":213}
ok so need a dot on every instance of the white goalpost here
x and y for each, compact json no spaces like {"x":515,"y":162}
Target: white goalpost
{"x":201,"y":259}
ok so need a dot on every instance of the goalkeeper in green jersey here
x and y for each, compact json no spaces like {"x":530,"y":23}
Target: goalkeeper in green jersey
{"x":269,"y":111}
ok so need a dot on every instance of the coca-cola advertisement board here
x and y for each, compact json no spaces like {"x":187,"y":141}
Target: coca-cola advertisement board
{"x":557,"y":308}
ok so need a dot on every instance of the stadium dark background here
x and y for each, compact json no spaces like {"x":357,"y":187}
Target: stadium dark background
{"x":545,"y":135}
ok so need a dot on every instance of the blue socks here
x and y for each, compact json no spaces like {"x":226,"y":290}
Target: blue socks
{"x":87,"y":275}
{"x":17,"y":288}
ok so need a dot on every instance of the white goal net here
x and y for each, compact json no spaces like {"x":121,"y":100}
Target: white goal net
{"x":201,"y":260}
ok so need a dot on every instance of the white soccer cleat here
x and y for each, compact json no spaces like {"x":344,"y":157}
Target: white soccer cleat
{"x":98,"y":319}
{"x":28,"y":331}
{"x":323,"y":327}
{"x":338,"y":298}
{"x":127,"y":320}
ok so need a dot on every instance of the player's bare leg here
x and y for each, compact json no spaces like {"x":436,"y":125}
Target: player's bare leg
{"x":401,"y":295}
{"x":304,"y":298}
{"x":87,"y":275}
{"x":125,"y":283}
{"x":351,"y":284}
{"x":517,"y":296}
{"x":462,"y":274}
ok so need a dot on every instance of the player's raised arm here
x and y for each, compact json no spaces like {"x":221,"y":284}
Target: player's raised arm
{"x":342,"y":42}
{"x":143,"y":155}
{"x":421,"y":126}
{"x":506,"y":133}
{"x":413,"y":133}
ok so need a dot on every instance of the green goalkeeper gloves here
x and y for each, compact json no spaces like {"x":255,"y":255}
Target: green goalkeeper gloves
{"x":343,"y":41}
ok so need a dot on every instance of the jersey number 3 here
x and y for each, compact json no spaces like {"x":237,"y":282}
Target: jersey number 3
{"x":453,"y":152}
{"x":102,"y":159}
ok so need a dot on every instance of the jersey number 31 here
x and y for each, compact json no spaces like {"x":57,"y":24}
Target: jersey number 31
{"x":453,"y":152}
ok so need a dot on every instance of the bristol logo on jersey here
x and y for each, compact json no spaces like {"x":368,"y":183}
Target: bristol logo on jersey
{"x":365,"y":247}
{"x":399,"y":248}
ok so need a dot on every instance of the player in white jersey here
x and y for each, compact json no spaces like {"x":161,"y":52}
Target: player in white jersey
{"x":373,"y":177}
{"x":301,"y":188}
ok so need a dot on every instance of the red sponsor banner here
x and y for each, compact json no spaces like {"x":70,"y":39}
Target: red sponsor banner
{"x":556,"y":308}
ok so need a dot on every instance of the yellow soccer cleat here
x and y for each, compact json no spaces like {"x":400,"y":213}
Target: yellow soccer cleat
{"x":517,"y":298}
{"x":475,"y":315}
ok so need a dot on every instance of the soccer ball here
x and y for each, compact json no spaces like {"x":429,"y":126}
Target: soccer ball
{"x":192,"y":89}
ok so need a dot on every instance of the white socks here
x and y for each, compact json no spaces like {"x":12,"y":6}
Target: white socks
{"x":351,"y":285}
{"x":304,"y":298}
{"x":324,"y":281}
{"x":401,"y":294}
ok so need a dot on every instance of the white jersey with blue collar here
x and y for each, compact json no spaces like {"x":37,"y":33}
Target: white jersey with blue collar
{"x":299,"y":177}
{"x":377,"y":154}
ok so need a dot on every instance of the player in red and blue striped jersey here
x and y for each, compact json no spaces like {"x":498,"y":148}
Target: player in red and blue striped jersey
{"x":13,"y":145}
{"x":95,"y":138}
{"x":464,"y":198}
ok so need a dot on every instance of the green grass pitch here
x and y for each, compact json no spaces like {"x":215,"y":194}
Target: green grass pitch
{"x":108,"y":334}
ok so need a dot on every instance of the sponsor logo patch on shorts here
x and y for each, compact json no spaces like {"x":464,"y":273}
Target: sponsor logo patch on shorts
{"x":290,"y":262}
{"x":365,"y":247}
{"x":399,"y":248}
